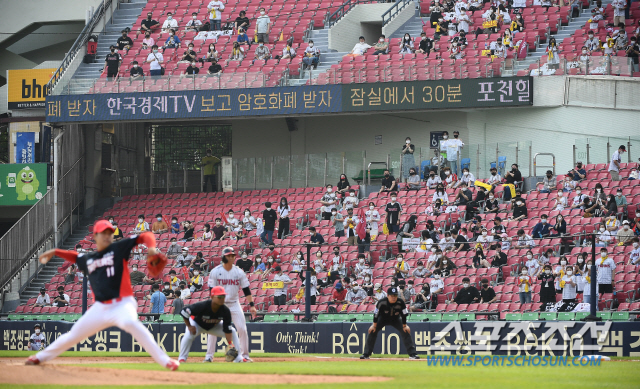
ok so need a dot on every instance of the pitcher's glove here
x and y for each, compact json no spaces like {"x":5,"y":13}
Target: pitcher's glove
{"x":231,"y":354}
{"x":155,"y":264}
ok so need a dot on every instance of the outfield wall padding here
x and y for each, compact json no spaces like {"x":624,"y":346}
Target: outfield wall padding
{"x":554,"y":338}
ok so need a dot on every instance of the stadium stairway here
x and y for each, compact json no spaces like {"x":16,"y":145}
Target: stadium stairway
{"x":563,"y":32}
{"x":51,"y":268}
{"x":122,"y":18}
{"x":327,"y":57}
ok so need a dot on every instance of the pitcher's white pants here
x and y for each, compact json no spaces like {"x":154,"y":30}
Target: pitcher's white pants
{"x":187,"y":339}
{"x":237,"y":316}
{"x":122,"y":314}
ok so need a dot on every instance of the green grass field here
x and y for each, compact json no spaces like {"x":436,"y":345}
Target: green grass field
{"x":618,"y":373}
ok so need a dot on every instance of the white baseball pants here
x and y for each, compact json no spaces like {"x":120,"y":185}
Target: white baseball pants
{"x":187,"y":339}
{"x":122,"y":314}
{"x":237,"y":316}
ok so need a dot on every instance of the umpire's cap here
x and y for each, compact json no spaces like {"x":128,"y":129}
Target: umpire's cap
{"x":392,"y":290}
{"x":228,"y":250}
{"x":218,"y":291}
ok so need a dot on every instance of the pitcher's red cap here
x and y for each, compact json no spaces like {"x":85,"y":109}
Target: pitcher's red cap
{"x":218,"y":291}
{"x":102,"y":225}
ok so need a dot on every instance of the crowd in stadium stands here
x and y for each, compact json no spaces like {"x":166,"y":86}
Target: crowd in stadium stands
{"x":468,"y":40}
{"x":480,"y":245}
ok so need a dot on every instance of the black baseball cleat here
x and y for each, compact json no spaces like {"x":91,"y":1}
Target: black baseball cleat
{"x":364,"y":356}
{"x":414,"y":356}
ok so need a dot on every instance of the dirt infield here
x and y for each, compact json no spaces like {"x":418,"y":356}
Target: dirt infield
{"x":58,"y":372}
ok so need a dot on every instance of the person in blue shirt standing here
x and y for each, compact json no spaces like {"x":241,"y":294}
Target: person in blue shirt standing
{"x":158,"y":300}
{"x":541,"y":230}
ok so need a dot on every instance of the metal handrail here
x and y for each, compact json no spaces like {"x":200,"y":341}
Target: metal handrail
{"x":395,"y":9}
{"x":369,"y":170}
{"x":79,"y":44}
{"x":342,"y":11}
{"x":535,"y":166}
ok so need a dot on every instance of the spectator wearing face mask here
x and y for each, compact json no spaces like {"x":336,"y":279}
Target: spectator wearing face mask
{"x":148,"y":24}
{"x":426,"y":45}
{"x":184,"y":258}
{"x":185,"y":292}
{"x":389,"y":183}
{"x":194,"y":24}
{"x":159,"y":226}
{"x":413,"y":182}
{"x":141,"y":226}
{"x":560,"y":227}
{"x":578,"y":199}
{"x":423,"y":299}
{"x":450,"y":179}
{"x":433,"y":181}
{"x":315,"y":238}
{"x":406,"y":45}
{"x":356,"y":295}
{"x":169,"y":24}
{"x":244,"y":262}
{"x":547,"y":285}
{"x":189,"y":56}
{"x":494,"y":179}
{"x":381,"y":47}
{"x":519,"y":210}
{"x":393,"y":210}
{"x":406,"y":231}
{"x":633,"y":51}
{"x":311,"y":56}
{"x":328,"y":202}
{"x":461,"y":243}
{"x":634,"y":255}
{"x":464,"y":195}
{"x":350,"y":223}
{"x":541,"y":229}
{"x":491,"y":205}
{"x":468,"y":294}
{"x":112,"y":62}
{"x":242,"y":21}
{"x":136,"y":276}
{"x":360,"y":48}
{"x":215,"y":9}
{"x":487,"y":294}
{"x":466,"y":178}
{"x":625,"y":235}
{"x":378,"y":293}
{"x":373,"y":218}
{"x":135,"y":72}
{"x":258,"y":266}
{"x":148,"y":41}
{"x":445,"y":265}
{"x":499,"y":258}
{"x":480,"y":259}
{"x":568,"y":284}
{"x":280,"y":294}
{"x":263,"y":26}
{"x":155,"y":59}
{"x":262,"y":53}
{"x":172,"y":42}
{"x":524,"y":283}
{"x":548,"y":183}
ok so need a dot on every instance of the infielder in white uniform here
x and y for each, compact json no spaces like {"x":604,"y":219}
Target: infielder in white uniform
{"x":232,"y":279}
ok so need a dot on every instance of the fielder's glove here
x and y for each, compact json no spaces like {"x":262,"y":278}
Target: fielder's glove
{"x":231,"y":354}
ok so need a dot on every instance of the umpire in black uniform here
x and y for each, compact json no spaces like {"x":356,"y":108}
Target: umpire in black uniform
{"x":390,"y":311}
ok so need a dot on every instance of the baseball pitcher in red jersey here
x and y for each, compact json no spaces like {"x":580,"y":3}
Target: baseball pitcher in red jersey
{"x":111,"y":285}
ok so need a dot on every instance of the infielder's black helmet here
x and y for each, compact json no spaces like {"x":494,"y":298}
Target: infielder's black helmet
{"x":36,"y":326}
{"x":227,"y":251}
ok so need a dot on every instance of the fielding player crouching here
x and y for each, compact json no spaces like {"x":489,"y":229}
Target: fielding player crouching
{"x":390,"y":311}
{"x":213,"y":317}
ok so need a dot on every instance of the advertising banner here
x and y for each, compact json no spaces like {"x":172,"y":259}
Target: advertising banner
{"x":25,"y":143}
{"x":22,"y":184}
{"x":27,"y":88}
{"x":287,"y":101}
{"x":514,"y":338}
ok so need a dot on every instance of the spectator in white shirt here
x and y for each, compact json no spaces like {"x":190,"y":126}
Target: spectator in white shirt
{"x":311,"y":56}
{"x":441,"y":194}
{"x":263,"y":26}
{"x":350,"y":201}
{"x":467,"y":178}
{"x":155,"y":59}
{"x":360,"y":48}
{"x":606,"y":270}
{"x":43,"y":299}
{"x":328,"y":201}
{"x":194,"y":24}
{"x":288,"y":52}
{"x":450,"y":179}
{"x":578,"y":199}
{"x":524,"y":241}
{"x":560,"y":202}
{"x":494,"y":179}
{"x":170,"y":23}
{"x":453,"y":148}
{"x":433,"y":180}
{"x":634,"y":255}
{"x":603,"y":237}
{"x":616,"y":158}
{"x":373,"y":217}
{"x":232,"y":222}
{"x":215,"y":9}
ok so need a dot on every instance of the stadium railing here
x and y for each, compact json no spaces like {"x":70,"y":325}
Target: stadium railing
{"x":398,"y":6}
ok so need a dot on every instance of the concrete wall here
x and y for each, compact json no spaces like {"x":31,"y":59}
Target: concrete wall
{"x":403,"y":16}
{"x":13,"y":15}
{"x":344,"y":34}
